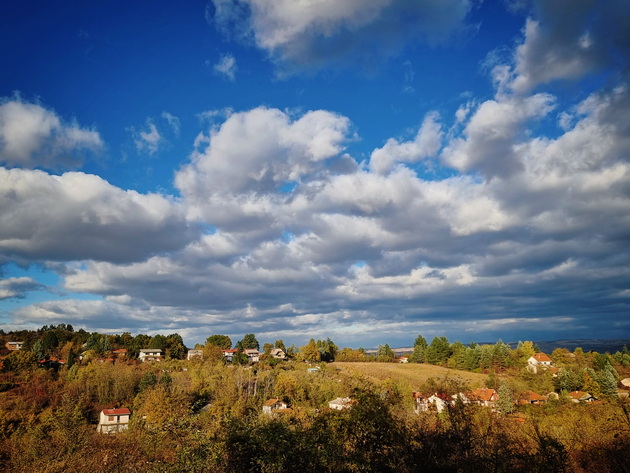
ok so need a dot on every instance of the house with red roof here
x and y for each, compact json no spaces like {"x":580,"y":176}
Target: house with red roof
{"x":120,"y":353}
{"x":530,"y":397}
{"x":113,"y":421}
{"x":539,"y":361}
{"x":228,"y":354}
{"x":484,"y":397}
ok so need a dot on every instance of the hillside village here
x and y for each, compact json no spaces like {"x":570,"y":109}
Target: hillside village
{"x":115,"y":384}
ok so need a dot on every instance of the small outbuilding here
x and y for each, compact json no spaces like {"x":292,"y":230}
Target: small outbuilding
{"x":194,"y":354}
{"x":272,"y":405}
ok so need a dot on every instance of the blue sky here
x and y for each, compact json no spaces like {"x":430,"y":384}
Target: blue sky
{"x":359,"y":170}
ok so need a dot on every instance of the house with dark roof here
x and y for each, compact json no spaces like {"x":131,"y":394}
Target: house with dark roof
{"x":150,"y":354}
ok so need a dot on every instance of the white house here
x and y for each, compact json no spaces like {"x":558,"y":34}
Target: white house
{"x":228,"y":354}
{"x":341,"y":403}
{"x":539,"y":360}
{"x":150,"y":354}
{"x":436,"y":401}
{"x":253,"y":355}
{"x":581,"y":396}
{"x":278,"y":353}
{"x":14,"y":345}
{"x":112,"y":421}
{"x":194,"y":354}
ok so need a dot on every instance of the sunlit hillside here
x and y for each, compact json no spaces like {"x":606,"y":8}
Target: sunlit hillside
{"x":414,"y":374}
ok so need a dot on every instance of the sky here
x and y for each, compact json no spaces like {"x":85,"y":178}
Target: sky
{"x":365,"y":170}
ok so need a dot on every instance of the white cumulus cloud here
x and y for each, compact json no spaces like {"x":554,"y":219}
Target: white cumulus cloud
{"x":32,"y":136}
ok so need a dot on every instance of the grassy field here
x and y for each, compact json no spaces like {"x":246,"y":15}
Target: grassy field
{"x":413,"y":373}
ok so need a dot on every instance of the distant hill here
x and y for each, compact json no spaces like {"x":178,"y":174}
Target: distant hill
{"x":600,"y":346}
{"x":547,"y":346}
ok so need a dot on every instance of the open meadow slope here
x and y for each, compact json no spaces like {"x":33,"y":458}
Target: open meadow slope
{"x":415,"y":374}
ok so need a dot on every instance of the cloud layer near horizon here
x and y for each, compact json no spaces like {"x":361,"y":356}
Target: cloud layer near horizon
{"x":278,"y":230}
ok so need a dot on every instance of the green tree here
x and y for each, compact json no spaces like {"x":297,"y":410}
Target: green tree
{"x":71,"y":358}
{"x":472,"y":357}
{"x":385,"y":354}
{"x":249,"y":342}
{"x":607,"y":381}
{"x":439,"y":351}
{"x":222,"y":341}
{"x":175,"y":348}
{"x":505,"y":403}
{"x":148,"y":380}
{"x":38,"y":350}
{"x":568,"y":380}
{"x":500,"y":356}
{"x":419,"y":347}
{"x":158,"y":341}
{"x":458,"y":358}
{"x":327,"y":350}
{"x":49,"y":341}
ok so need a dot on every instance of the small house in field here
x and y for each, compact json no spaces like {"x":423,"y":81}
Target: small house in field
{"x":341,"y":403}
{"x":581,"y":396}
{"x":194,"y":354}
{"x":14,"y":345}
{"x":272,"y":405}
{"x":539,"y":361}
{"x":113,"y":421}
{"x":403,"y":359}
{"x":150,"y":354}
{"x":530,"y":397}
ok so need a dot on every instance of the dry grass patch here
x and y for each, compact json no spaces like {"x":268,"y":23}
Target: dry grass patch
{"x":414,"y":374}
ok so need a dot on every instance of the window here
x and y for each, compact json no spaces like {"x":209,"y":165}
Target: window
{"x":111,"y":418}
